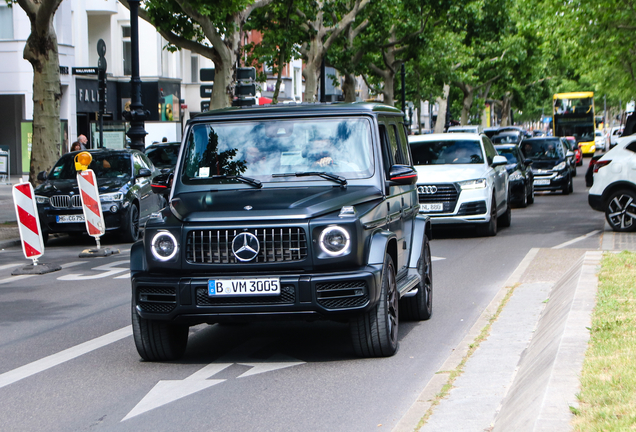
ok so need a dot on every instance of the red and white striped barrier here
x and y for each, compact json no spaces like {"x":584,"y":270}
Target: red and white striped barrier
{"x":28,"y":221}
{"x":91,"y":205}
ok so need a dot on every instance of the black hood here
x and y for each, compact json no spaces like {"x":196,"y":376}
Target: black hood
{"x":269,"y":203}
{"x":65,"y":187}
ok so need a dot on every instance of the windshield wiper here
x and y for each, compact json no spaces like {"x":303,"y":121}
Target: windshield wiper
{"x":336,"y":178}
{"x":248,"y":180}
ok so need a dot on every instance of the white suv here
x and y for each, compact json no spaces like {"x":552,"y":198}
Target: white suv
{"x":614,"y":187}
{"x":461,"y":180}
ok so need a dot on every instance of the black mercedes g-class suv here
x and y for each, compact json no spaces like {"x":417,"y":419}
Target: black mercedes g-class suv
{"x":296,"y":211}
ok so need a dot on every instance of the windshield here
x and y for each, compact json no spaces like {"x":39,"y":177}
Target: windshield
{"x":509,"y":153}
{"x":105,"y":165}
{"x":259,"y":149}
{"x":506,"y":139}
{"x":543,"y":149}
{"x":163,"y":156}
{"x":447,"y":152}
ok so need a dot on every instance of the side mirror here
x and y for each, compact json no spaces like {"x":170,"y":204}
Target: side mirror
{"x":569,"y":154}
{"x":403,"y":174}
{"x":42,"y":176}
{"x":144,"y":172}
{"x":162,"y":184}
{"x":499,"y":161}
{"x":527,"y":162}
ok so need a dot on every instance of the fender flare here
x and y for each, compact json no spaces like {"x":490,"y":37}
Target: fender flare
{"x":138,"y":258}
{"x":421,"y":228}
{"x":379,"y":246}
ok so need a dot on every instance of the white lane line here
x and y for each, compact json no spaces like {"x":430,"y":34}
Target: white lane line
{"x":6,"y":266}
{"x":14,"y":278}
{"x":124,"y":276}
{"x":63,"y":356}
{"x":72,"y":264}
{"x":434,"y":258}
{"x":578,"y":239}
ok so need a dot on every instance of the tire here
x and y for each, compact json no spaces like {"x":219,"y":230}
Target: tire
{"x":571,"y":188}
{"x":158,"y":340}
{"x":524,"y":198}
{"x":620,"y":210}
{"x":567,"y":187}
{"x":45,"y":238}
{"x":531,"y":196}
{"x":130,"y":229}
{"x":489,"y":229}
{"x":420,"y":306}
{"x":574,"y":172}
{"x":506,"y":218}
{"x":375,"y":333}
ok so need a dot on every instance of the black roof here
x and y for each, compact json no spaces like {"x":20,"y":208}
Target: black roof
{"x":301,"y":108}
{"x":543,"y":138}
{"x":506,"y":146}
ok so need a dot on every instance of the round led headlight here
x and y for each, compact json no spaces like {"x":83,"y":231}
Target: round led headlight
{"x":164,"y":246}
{"x":334,"y":240}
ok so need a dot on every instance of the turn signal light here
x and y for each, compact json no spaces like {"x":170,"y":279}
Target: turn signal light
{"x":82,"y":161}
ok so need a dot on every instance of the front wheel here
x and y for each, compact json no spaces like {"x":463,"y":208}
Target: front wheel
{"x":158,"y":340}
{"x":130,"y":228}
{"x":620,"y":211}
{"x":420,"y":306}
{"x":531,"y":196}
{"x":375,"y":333}
{"x":489,"y":229}
{"x":568,"y":187}
{"x":506,"y":218}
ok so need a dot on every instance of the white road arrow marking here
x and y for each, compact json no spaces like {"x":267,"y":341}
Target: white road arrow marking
{"x":168,"y":391}
{"x":109,"y":270}
{"x":277,"y":361}
{"x":124,"y":276}
{"x":434,"y":258}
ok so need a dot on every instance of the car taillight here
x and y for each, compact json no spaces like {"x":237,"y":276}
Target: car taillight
{"x":600,"y":163}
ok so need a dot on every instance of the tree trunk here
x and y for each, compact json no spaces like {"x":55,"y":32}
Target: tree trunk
{"x":349,"y":87}
{"x":441,"y":112}
{"x":41,"y":51}
{"x":279,"y":77}
{"x":223,"y":89}
{"x":506,"y":104}
{"x":467,"y":102}
{"x":312,"y":70}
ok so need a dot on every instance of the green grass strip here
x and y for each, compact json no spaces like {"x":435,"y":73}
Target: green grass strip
{"x":607,"y":401}
{"x":453,"y":374}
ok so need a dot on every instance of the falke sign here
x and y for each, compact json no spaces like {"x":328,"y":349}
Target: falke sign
{"x":87,"y":92}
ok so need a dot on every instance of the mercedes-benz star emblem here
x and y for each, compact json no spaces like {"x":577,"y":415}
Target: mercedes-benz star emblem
{"x":427,"y":190}
{"x":248,"y":207}
{"x":245,"y":246}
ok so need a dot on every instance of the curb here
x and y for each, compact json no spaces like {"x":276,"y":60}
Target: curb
{"x":9,"y":243}
{"x":412,"y":417}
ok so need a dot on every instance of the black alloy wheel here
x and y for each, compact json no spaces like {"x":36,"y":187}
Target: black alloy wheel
{"x":130,"y":229}
{"x":420,"y":306}
{"x":489,"y":229}
{"x":524,"y":197}
{"x":568,"y":186}
{"x":375,"y":333}
{"x":531,"y":195}
{"x":620,"y":211}
{"x":506,"y":218}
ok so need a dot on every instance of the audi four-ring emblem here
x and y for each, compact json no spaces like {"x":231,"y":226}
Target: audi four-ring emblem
{"x":245,"y":246}
{"x":427,"y":190}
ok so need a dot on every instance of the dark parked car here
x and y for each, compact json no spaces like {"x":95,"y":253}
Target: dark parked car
{"x":508,"y":137}
{"x":289,"y":212}
{"x":550,"y":164}
{"x":521,"y":179}
{"x":163,"y":155}
{"x":123,"y":179}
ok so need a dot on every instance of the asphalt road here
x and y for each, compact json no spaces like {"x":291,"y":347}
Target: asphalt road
{"x":68,"y":362}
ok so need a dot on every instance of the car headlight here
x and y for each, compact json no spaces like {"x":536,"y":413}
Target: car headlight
{"x":164,"y":246}
{"x":559,"y":167}
{"x":115,"y":196}
{"x":473,"y":184}
{"x":515,"y":176}
{"x":334,"y":241}
{"x":41,"y":199}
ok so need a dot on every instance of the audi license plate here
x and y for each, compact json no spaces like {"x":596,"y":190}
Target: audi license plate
{"x":243,"y":287}
{"x":541,"y":182}
{"x":432,"y":207}
{"x":69,"y":218}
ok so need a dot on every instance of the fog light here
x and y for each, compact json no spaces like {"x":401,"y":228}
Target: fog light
{"x":113,"y":209}
{"x":164,"y":246}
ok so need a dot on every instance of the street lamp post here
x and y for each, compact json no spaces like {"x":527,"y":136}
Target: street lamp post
{"x":137,"y":114}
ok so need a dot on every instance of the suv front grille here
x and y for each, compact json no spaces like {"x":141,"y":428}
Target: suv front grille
{"x":341,"y":295}
{"x":446,"y":194}
{"x":276,"y":245}
{"x":287,"y":296}
{"x":65,"y":201}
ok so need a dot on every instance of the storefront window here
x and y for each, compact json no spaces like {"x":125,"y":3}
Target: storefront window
{"x":127,"y":50}
{"x":6,"y":22}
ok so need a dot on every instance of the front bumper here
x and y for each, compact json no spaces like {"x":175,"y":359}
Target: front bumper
{"x":304,"y":296}
{"x":48,"y":218}
{"x":469,"y":207}
{"x":553,"y":181}
{"x":596,"y":202}
{"x":517,"y":190}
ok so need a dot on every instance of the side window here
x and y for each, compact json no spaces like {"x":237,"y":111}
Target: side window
{"x":404,"y":145}
{"x":138,"y":163}
{"x":394,"y":152}
{"x":147,"y":163}
{"x":631,"y":147}
{"x":385,"y":144}
{"x":489,"y":148}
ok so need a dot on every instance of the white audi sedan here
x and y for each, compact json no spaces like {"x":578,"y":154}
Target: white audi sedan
{"x":461,"y":180}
